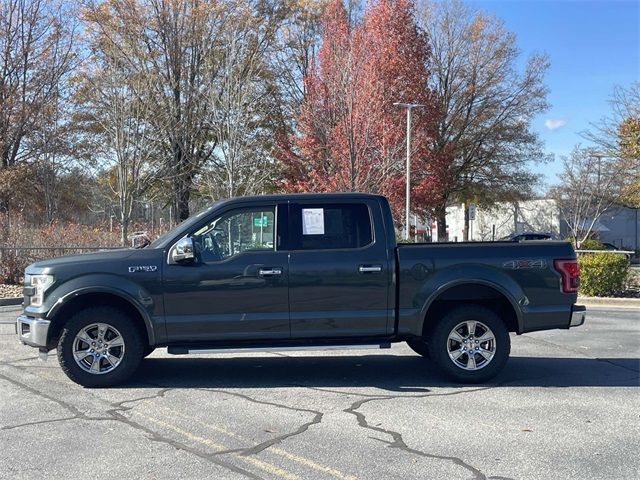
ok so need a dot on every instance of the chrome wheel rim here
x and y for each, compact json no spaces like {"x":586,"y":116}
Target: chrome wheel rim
{"x":98,"y":348}
{"x":471,"y":345}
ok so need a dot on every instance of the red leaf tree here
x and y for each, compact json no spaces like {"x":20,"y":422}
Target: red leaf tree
{"x":350,"y":136}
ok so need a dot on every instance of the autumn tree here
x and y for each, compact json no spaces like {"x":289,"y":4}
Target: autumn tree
{"x":243,"y":113}
{"x":113,"y":109}
{"x":165,"y":45}
{"x":350,"y":136}
{"x":590,"y":184}
{"x":483,"y":140}
{"x":617,"y":136}
{"x":37,"y":53}
{"x":298,"y":42}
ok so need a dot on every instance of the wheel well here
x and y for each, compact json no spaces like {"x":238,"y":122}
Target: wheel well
{"x":94,"y":300}
{"x":471,"y":293}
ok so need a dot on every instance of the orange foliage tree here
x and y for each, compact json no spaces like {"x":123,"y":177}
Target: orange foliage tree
{"x":349,"y":134}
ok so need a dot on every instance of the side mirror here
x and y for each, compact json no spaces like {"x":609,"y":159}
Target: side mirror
{"x":182,"y":251}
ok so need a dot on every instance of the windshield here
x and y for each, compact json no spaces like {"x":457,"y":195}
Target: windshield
{"x":182,"y":227}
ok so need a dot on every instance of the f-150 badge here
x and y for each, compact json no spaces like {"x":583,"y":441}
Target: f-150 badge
{"x":143,"y":268}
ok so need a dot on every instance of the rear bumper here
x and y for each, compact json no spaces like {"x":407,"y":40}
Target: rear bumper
{"x":32,"y":331}
{"x":578,"y":315}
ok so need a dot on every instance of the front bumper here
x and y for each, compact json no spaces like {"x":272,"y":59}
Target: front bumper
{"x":32,"y":331}
{"x":578,"y":315}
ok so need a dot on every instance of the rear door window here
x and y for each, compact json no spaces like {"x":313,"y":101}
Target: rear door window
{"x":330,"y":226}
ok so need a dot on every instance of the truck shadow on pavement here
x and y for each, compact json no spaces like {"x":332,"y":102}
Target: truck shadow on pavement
{"x":387,"y":372}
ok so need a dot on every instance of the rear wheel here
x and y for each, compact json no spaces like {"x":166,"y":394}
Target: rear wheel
{"x":470,"y":344}
{"x":100,"y":347}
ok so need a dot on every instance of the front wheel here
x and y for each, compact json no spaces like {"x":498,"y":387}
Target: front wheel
{"x":470,"y":344}
{"x":100,"y":347}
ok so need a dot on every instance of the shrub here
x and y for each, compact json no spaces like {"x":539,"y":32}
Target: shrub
{"x":591,"y":244}
{"x":603,"y":274}
{"x":22,"y":243}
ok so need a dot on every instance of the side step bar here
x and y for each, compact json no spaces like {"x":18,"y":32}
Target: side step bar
{"x":301,"y":348}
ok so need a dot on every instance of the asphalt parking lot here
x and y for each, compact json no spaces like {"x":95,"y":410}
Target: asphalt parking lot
{"x":566,"y":407}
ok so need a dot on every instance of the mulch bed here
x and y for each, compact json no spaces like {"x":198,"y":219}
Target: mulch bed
{"x":10,"y":291}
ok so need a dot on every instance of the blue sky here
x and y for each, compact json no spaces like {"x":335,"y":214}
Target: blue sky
{"x":592,"y":46}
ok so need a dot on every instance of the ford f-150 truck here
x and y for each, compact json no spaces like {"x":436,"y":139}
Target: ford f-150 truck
{"x":296,"y":271}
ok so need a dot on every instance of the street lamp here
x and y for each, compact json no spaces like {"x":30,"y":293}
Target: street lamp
{"x":409,"y":107}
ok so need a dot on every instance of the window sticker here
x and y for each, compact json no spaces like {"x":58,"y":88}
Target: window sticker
{"x":313,"y":221}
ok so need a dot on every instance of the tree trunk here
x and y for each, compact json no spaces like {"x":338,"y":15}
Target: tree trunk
{"x":441,"y":216}
{"x":182,"y":200}
{"x":182,"y":183}
{"x":182,"y":194}
{"x":465,"y":234}
{"x":124,"y":231}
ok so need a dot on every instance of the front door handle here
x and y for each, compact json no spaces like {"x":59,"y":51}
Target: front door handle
{"x":269,"y":272}
{"x":370,"y":268}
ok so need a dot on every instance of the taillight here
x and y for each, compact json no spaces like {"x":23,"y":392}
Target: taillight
{"x":570,"y":272}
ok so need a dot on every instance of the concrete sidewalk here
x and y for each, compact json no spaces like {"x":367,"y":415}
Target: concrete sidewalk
{"x":609,"y":302}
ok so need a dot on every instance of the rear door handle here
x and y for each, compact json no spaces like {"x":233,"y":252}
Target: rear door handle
{"x":269,"y":272}
{"x":370,"y":268}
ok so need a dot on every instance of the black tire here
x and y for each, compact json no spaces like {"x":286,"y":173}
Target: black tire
{"x":128,"y":355}
{"x":440,"y":344}
{"x":420,"y":347}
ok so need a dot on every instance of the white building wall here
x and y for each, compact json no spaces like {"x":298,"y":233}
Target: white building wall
{"x":504,"y":219}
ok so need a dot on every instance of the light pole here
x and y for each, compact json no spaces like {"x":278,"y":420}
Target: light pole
{"x":409,"y":107}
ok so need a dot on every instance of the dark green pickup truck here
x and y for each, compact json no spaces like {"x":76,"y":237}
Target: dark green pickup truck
{"x":296,"y":271}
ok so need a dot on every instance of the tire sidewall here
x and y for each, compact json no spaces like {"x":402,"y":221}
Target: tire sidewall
{"x":133,"y":353}
{"x":440,"y":336}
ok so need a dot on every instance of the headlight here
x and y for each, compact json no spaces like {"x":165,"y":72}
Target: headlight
{"x":41,"y":283}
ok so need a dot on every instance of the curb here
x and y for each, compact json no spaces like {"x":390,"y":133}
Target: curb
{"x":609,"y":302}
{"x":11,"y":301}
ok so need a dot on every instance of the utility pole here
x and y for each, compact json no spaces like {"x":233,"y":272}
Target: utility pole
{"x":409,"y":107}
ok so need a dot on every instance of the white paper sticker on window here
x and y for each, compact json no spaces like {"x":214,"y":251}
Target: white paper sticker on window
{"x":313,"y":221}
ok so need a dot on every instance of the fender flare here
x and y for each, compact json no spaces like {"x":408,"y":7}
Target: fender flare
{"x":64,"y":300}
{"x":470,"y":281}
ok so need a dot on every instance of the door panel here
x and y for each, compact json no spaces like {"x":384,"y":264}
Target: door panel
{"x":338,"y":292}
{"x":238,"y":286}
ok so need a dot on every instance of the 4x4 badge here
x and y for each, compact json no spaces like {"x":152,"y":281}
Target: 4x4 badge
{"x":143,"y":268}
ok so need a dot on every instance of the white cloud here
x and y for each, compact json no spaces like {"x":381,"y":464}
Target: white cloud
{"x":555,"y":123}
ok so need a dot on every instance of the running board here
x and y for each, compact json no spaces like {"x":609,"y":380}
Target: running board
{"x":188,"y":350}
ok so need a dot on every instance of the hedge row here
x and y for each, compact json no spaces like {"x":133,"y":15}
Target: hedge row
{"x":603,"y":274}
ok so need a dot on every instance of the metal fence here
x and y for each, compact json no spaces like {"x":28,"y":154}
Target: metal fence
{"x":621,"y":252}
{"x":33,"y":254}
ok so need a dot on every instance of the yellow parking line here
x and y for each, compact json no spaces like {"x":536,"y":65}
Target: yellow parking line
{"x":267,"y":467}
{"x":312,"y":464}
{"x":270,"y":468}
{"x":278,"y":451}
{"x":186,"y":433}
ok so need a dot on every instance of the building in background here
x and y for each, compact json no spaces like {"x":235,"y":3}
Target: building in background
{"x":619,"y":225}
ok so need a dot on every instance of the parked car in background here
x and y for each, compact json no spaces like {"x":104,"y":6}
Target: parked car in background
{"x":521,"y":237}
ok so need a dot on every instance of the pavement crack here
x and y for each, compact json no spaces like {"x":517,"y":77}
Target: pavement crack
{"x":67,"y":406}
{"x":317,"y":418}
{"x":399,"y":443}
{"x":58,"y":420}
{"x":160,"y":394}
{"x":152,"y":435}
{"x":612,"y":362}
{"x":116,"y":414}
